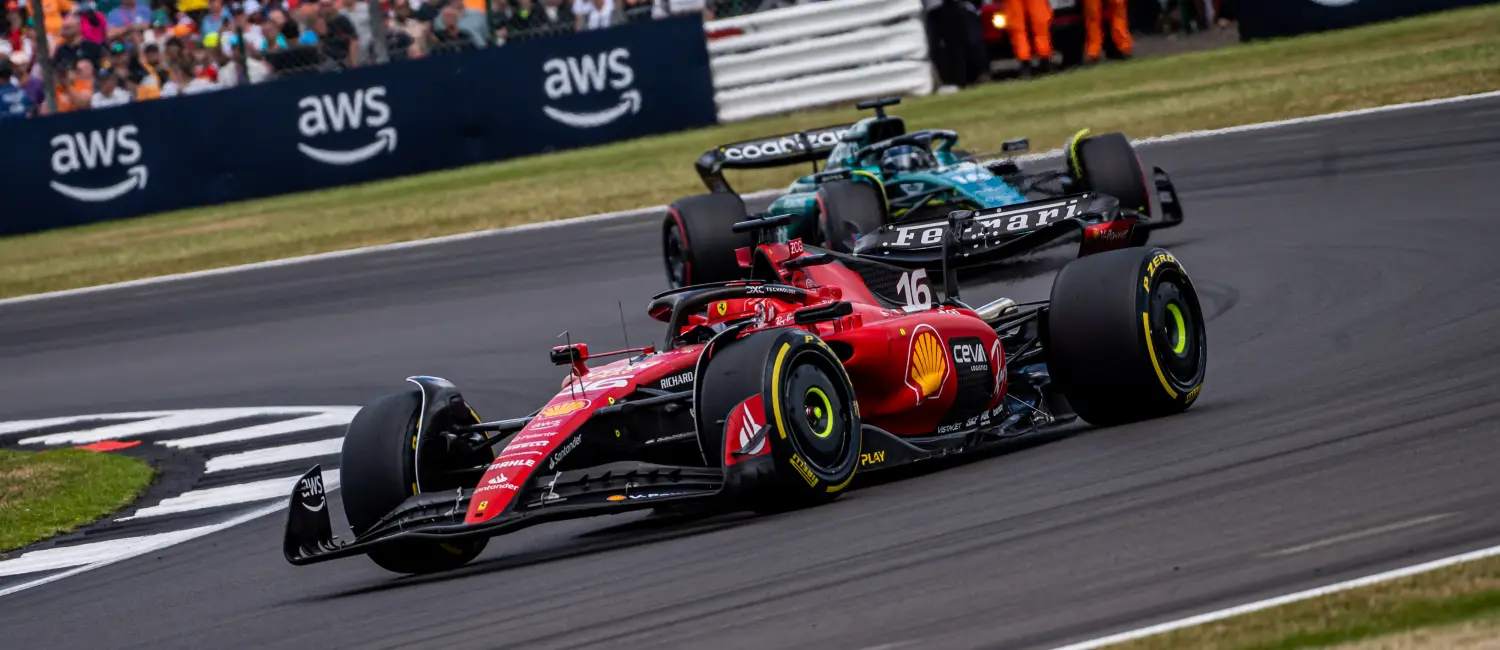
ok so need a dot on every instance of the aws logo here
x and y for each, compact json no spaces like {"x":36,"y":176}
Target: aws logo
{"x":587,"y":75}
{"x":927,"y":363}
{"x":325,"y":114}
{"x":116,"y":147}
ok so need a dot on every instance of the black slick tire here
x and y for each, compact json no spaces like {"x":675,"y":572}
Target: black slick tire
{"x":377,"y":472}
{"x":848,"y":209}
{"x":698,"y":240}
{"x":1124,"y":336}
{"x":1108,"y":164}
{"x":809,"y":412}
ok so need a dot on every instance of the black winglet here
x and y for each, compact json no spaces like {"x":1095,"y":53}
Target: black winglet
{"x":308,"y":528}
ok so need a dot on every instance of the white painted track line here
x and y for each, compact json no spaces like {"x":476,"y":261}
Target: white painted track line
{"x":335,"y":417}
{"x":156,"y":422}
{"x":1269,"y":603}
{"x":228,"y":495}
{"x":272,"y":455}
{"x":623,"y":214}
{"x":155,"y":545}
{"x":71,"y":556}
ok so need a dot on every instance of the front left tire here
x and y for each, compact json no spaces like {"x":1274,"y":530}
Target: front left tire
{"x":377,"y":472}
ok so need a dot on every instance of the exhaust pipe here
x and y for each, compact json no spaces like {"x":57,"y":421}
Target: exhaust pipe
{"x":998,"y":310}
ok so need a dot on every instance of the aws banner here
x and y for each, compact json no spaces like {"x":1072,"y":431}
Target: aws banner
{"x":1273,"y":18}
{"x":312,"y":132}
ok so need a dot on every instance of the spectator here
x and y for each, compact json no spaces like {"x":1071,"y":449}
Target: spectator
{"x":358,"y":14}
{"x":17,"y":36}
{"x":124,"y":66}
{"x":155,"y":75}
{"x":214,"y":18}
{"x":75,"y":86}
{"x":449,"y":37}
{"x":416,"y":30}
{"x":553,"y":18}
{"x":53,"y":14}
{"x":14,"y":104}
{"x":72,"y":48}
{"x":92,"y":24}
{"x":338,"y":38}
{"x":499,"y":19}
{"x":30,"y":75}
{"x":593,"y":14}
{"x":192,"y":10}
{"x":470,"y":21}
{"x":108,"y":92}
{"x":255,"y":66}
{"x":639,"y":10}
{"x":285,"y":29}
{"x":128,"y":14}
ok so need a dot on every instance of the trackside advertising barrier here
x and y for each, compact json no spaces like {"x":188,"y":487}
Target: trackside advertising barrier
{"x":1275,"y":18}
{"x":319,"y":131}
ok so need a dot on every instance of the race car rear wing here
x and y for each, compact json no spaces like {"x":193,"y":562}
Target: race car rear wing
{"x":996,"y":233}
{"x":775,"y":151}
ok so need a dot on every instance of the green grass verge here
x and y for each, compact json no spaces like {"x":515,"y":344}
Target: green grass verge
{"x":50,"y":492}
{"x":1442,"y":605}
{"x":1432,"y":56}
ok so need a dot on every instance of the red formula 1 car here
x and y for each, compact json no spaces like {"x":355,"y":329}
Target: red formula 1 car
{"x":773,"y":392}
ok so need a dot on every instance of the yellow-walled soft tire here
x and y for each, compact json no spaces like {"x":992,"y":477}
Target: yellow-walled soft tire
{"x":1125,"y":338}
{"x":809,"y":412}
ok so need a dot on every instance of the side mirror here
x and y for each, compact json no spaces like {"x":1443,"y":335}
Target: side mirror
{"x":563,"y":355}
{"x":1015,"y":146}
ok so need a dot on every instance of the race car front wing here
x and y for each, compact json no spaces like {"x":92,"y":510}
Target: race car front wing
{"x":605,"y":489}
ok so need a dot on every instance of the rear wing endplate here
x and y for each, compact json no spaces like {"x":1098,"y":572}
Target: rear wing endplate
{"x":775,"y":151}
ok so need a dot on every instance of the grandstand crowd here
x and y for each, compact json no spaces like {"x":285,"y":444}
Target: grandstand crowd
{"x":114,"y":52}
{"x":103,"y":53}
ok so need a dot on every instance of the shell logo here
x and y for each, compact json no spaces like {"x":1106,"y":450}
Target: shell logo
{"x":564,"y":408}
{"x":927,"y":363}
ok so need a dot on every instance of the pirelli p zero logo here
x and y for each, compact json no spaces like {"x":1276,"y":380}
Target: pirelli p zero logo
{"x":806,"y":472}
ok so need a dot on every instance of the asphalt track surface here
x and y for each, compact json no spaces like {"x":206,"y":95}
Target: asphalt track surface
{"x":1348,"y":425}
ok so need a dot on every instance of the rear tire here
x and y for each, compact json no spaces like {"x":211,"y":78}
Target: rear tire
{"x":1108,"y":164}
{"x":377,"y":473}
{"x":809,"y":410}
{"x":848,"y":209}
{"x":1124,"y":336}
{"x":698,"y":240}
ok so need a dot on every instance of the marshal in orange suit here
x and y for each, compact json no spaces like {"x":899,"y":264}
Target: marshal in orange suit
{"x":1036,"y":15}
{"x":1095,"y":12}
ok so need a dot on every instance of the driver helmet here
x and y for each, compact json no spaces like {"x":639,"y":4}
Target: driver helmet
{"x":906,"y":157}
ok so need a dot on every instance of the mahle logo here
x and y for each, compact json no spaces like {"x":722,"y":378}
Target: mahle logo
{"x":337,"y":113}
{"x":73,"y":152}
{"x":585,"y":75}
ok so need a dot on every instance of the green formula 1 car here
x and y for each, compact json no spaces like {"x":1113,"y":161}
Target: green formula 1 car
{"x":877,"y":174}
